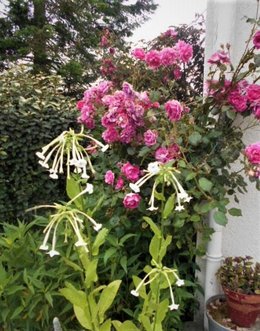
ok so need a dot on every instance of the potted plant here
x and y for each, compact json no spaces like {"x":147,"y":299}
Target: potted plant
{"x":240,"y":280}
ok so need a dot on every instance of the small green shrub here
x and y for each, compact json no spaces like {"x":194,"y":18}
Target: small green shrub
{"x":29,"y":282}
{"x":33,"y":112}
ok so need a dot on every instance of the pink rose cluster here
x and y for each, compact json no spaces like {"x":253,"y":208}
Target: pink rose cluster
{"x":166,"y":154}
{"x":242,"y":97}
{"x":182,"y":52}
{"x":252,"y":153}
{"x":92,"y":98}
{"x":132,"y":174}
{"x":128,"y":171}
{"x":124,"y":115}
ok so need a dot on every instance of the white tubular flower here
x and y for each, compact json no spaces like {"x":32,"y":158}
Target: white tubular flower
{"x":89,"y":188}
{"x":54,"y":175}
{"x":53,"y":252}
{"x":44,"y":164}
{"x":104,"y":148}
{"x":44,"y":247}
{"x":179,"y":208}
{"x":180,"y":282}
{"x":97,"y":227}
{"x":174,"y":306}
{"x":80,"y":243}
{"x":135,"y":293}
{"x":151,"y":202}
{"x":134,"y":187}
{"x":40,"y":155}
{"x":154,"y":167}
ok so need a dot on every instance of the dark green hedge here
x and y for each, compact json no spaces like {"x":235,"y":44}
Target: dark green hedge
{"x":32,"y":112}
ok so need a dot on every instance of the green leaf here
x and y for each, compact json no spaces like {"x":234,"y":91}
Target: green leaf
{"x":117,"y":325}
{"x":142,"y":290}
{"x":106,"y":298}
{"x":91,"y":273}
{"x":220,"y":218}
{"x":154,"y":248}
{"x":153,"y":226}
{"x":195,"y":138}
{"x":106,"y":326}
{"x":205,"y":184}
{"x":100,"y":239}
{"x":164,"y":246}
{"x":73,"y":188}
{"x":169,"y":205}
{"x":190,"y":176}
{"x":123,"y":263}
{"x":146,"y":322}
{"x":83,"y":317}
{"x":235,"y":212}
{"x":128,"y":326}
{"x":162,"y":311}
{"x":231,"y":114}
{"x":17,"y":312}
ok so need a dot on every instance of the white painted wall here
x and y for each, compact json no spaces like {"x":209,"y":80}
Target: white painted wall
{"x":226,"y":23}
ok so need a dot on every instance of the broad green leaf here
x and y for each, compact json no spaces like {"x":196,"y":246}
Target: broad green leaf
{"x":73,"y":189}
{"x":91,"y":273}
{"x":153,"y":226}
{"x":74,"y":296}
{"x":220,"y":218}
{"x":116,"y":325}
{"x":71,"y":264}
{"x":106,"y":298}
{"x":195,"y":138}
{"x":190,"y":176}
{"x":154,"y":248}
{"x":106,"y":326}
{"x":109,"y":252}
{"x":235,"y":212}
{"x":169,"y":205}
{"x":162,"y":311}
{"x":128,"y":326}
{"x":165,"y":243}
{"x":146,"y":322}
{"x":79,"y":301}
{"x":205,"y":184}
{"x":83,"y":317}
{"x":125,"y":237}
{"x":100,"y":239}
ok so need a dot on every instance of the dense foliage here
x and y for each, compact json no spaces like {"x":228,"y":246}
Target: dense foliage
{"x":33,"y":111}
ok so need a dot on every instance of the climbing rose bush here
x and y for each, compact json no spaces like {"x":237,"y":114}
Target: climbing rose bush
{"x":152,"y":159}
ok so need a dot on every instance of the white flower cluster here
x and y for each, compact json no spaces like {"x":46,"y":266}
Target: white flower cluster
{"x":153,"y":274}
{"x":67,"y":146}
{"x":157,"y":169}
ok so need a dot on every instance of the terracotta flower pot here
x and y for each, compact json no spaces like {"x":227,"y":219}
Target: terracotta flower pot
{"x":243,"y":308}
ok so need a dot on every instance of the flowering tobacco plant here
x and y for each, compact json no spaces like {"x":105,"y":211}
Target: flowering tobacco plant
{"x":168,"y":164}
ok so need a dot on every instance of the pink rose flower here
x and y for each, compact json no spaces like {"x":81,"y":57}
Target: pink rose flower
{"x":131,"y":172}
{"x":110,"y":135}
{"x":256,"y":40}
{"x":162,"y":155}
{"x":150,"y":137}
{"x":184,"y":50}
{"x":174,"y":151}
{"x":153,"y":59}
{"x":109,"y":177}
{"x":174,"y":110}
{"x":139,"y":54}
{"x":219,"y":57}
{"x":168,"y":56}
{"x":256,"y":111}
{"x":119,"y":183}
{"x":252,"y":152}
{"x":131,"y":200}
{"x":253,"y":92}
{"x":238,"y":101}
